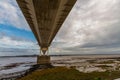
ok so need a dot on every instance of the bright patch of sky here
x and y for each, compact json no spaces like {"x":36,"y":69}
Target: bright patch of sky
{"x":13,"y":31}
{"x":92,"y":27}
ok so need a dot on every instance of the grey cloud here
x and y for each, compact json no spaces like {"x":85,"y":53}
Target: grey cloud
{"x":16,"y":51}
{"x":16,"y":42}
{"x":92,"y":24}
{"x":10,"y":14}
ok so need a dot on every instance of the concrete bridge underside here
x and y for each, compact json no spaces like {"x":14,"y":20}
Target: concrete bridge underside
{"x":45,"y":17}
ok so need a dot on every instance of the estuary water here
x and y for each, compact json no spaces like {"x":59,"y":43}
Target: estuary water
{"x":83,"y":63}
{"x":11,"y":65}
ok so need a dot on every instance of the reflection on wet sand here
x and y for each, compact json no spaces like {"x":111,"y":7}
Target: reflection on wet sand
{"x":100,"y":63}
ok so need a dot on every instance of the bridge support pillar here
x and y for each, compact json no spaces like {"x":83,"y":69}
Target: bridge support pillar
{"x":43,"y":58}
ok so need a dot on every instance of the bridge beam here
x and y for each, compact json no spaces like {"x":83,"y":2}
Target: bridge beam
{"x":44,"y":50}
{"x":45,"y":18}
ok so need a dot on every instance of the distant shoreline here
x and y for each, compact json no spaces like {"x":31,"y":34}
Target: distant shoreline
{"x":63,"y":55}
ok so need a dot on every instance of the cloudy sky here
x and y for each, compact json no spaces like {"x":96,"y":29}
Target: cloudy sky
{"x":92,"y":27}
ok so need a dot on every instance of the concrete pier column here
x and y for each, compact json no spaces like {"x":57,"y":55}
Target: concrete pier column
{"x":43,"y":58}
